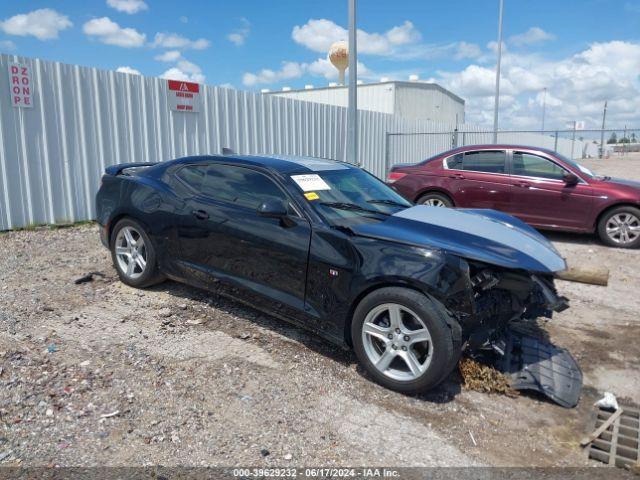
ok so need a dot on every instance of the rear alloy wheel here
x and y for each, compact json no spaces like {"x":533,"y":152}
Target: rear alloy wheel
{"x":134,"y":255}
{"x":620,"y":227}
{"x":435,"y":200}
{"x":131,"y":253}
{"x":402,"y":338}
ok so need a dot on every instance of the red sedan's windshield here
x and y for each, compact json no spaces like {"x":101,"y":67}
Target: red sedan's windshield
{"x":584,"y":170}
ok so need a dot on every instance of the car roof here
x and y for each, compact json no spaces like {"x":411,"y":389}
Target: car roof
{"x":499,"y":146}
{"x":283,"y":164}
{"x":489,"y":146}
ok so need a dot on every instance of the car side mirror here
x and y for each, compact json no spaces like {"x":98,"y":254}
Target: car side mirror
{"x":273,"y":209}
{"x":570,"y":178}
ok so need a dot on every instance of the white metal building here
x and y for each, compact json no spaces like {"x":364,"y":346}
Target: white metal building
{"x":412,"y":100}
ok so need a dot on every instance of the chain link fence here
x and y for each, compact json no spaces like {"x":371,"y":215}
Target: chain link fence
{"x":576,"y":144}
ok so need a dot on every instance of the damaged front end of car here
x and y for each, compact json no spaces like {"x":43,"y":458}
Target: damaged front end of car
{"x":497,"y":310}
{"x":494,"y":297}
{"x":496,"y":274}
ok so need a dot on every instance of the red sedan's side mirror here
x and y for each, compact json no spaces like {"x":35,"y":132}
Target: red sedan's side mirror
{"x":570,"y":178}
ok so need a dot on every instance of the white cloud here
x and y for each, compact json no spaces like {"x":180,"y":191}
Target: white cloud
{"x":44,"y":24}
{"x":7,"y":45}
{"x":466,"y":50}
{"x":322,"y":67}
{"x":109,"y":32}
{"x":185,"y":70}
{"x":239,"y":36}
{"x":533,"y":36}
{"x":319,"y":34}
{"x":455,"y":50}
{"x":175,"y":73}
{"x":290,"y":70}
{"x":398,"y":43}
{"x":169,"y":56}
{"x":177,"y":41}
{"x":129,"y":70}
{"x":128,"y":6}
{"x":577,"y":87}
{"x":266,"y":76}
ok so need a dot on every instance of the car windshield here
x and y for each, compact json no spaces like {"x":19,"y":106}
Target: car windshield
{"x":575,"y":164}
{"x":349,"y":195}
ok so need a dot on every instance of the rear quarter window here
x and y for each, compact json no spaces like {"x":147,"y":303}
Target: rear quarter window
{"x":193,"y":176}
{"x":455,"y":162}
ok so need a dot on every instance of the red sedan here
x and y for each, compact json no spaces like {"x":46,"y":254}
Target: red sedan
{"x":541,"y":187}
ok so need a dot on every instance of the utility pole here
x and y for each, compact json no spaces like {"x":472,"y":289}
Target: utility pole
{"x":544,"y":106}
{"x":604,"y":117}
{"x":573,"y":138}
{"x":497,"y":100}
{"x":352,"y":113}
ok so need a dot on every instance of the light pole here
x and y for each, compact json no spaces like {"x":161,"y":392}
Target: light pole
{"x":544,"y":106}
{"x":604,"y":118}
{"x":352,"y":113}
{"x":497,"y":102}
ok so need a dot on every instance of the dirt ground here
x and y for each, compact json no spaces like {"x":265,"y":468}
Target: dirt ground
{"x":103,"y":374}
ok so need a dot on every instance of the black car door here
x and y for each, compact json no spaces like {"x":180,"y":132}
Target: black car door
{"x":222,"y":238}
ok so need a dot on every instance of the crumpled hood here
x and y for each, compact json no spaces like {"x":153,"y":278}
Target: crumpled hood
{"x":485,"y":235}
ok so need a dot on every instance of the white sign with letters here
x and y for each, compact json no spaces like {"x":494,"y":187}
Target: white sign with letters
{"x":20,"y":85}
{"x":310,"y":182}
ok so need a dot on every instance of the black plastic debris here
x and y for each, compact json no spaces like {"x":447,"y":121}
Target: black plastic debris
{"x":88,"y":277}
{"x":536,"y":364}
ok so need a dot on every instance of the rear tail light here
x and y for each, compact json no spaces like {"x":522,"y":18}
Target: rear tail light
{"x":394,"y":176}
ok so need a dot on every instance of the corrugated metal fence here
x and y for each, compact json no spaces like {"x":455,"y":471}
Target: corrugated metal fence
{"x":83,"y":119}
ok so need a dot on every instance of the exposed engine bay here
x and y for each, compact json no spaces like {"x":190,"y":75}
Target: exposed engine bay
{"x":502,"y":302}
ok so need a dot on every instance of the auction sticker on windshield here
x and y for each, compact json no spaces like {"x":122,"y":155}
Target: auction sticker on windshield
{"x":311,"y":196}
{"x":310,"y":182}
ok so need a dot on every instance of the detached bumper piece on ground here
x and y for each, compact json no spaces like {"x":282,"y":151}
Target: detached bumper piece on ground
{"x":619,"y":443}
{"x":538,"y":365}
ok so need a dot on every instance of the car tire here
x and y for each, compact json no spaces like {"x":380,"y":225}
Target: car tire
{"x":134,"y":255}
{"x":377,"y":338}
{"x":435,"y":200}
{"x":620,"y":227}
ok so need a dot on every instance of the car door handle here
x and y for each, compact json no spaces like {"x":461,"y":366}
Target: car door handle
{"x":200,"y":214}
{"x":459,"y":176}
{"x":523,"y":184}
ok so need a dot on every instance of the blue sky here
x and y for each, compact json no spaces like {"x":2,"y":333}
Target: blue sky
{"x":583,"y":51}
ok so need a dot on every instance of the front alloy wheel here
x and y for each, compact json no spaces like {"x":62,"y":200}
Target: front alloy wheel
{"x":397,"y":342}
{"x":623,"y":228}
{"x":406,"y":340}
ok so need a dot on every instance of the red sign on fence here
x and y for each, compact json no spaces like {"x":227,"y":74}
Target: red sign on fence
{"x":184,"y":96}
{"x":20,"y":85}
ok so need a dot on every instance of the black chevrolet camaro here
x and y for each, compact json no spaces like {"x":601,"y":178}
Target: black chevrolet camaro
{"x":328,"y":246}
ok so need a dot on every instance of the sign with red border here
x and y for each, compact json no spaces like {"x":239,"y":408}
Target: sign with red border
{"x":184,"y":96}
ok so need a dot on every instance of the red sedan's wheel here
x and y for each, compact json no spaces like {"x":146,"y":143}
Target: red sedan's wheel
{"x":435,"y":200}
{"x":620,"y":227}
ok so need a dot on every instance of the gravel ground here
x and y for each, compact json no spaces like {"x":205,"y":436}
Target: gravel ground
{"x":103,"y":374}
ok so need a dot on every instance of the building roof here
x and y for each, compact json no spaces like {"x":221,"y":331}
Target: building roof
{"x":400,"y":83}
